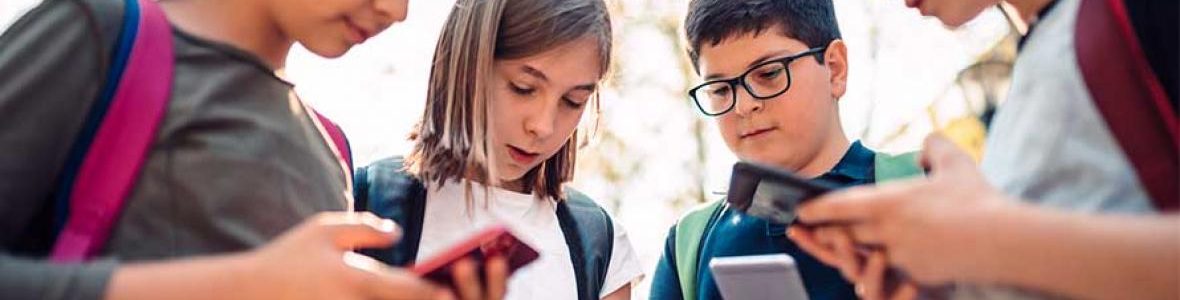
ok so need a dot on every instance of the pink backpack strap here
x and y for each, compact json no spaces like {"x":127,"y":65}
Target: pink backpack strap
{"x":1130,"y":97}
{"x":338,"y":138}
{"x":111,"y":165}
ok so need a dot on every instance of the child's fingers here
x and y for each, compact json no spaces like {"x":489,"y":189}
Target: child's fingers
{"x":357,"y":230}
{"x":807,"y":240}
{"x":845,"y":249}
{"x":865,"y":234}
{"x":466,"y":280}
{"x":852,"y":205}
{"x":398,"y":284}
{"x":940,"y":153}
{"x":906,"y":291}
{"x":872,"y":283}
{"x":497,"y":275}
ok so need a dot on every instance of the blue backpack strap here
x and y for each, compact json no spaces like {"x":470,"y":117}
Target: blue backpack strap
{"x":387,"y":190}
{"x":590,"y":235}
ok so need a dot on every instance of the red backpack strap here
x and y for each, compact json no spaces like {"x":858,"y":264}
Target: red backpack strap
{"x":338,"y":138}
{"x":1130,"y":97}
{"x":111,"y":165}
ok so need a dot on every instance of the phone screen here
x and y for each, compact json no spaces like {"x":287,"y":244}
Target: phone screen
{"x":771,"y":193}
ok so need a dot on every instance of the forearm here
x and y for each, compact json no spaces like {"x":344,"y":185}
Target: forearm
{"x":1087,"y":256}
{"x":226,"y":276}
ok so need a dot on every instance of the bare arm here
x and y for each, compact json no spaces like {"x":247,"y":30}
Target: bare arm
{"x":221,"y":276}
{"x":310,"y":261}
{"x":1088,"y":256}
{"x":623,"y":293}
{"x":954,"y":227}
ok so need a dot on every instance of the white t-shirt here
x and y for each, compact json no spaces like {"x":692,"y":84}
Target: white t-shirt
{"x":449,"y":219}
{"x":1049,"y":145}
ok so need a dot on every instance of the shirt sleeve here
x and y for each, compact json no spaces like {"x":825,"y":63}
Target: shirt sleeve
{"x":22,"y":278}
{"x":50,"y":72}
{"x":666,"y":283}
{"x":624,"y":263}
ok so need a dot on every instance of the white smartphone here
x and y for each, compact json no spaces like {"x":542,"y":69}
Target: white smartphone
{"x":772,"y":276}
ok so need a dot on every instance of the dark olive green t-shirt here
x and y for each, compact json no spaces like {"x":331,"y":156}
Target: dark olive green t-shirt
{"x":236,"y":161}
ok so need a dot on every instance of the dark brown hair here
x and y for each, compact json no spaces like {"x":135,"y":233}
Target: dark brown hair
{"x":710,"y":21}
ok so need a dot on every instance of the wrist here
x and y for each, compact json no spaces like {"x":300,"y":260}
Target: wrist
{"x":225,"y":276}
{"x":998,"y":227}
{"x":247,"y":276}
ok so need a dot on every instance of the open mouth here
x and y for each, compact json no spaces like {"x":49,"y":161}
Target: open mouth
{"x":756,"y":133}
{"x":522,"y":156}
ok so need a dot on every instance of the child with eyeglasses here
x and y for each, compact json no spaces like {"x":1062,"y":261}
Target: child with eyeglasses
{"x":773,"y":73}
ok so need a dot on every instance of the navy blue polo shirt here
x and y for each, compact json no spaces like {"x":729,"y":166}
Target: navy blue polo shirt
{"x":735,"y":234}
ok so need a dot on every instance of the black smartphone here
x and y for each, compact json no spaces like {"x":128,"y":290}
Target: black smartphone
{"x":771,"y":193}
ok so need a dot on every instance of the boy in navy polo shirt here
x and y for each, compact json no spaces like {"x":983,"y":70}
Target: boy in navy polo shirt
{"x":773,"y":72}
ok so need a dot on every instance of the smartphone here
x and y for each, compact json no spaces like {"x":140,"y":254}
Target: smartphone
{"x":771,"y":193}
{"x":496,"y":240}
{"x":772,"y":276}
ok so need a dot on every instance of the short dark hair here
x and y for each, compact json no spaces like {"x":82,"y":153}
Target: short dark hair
{"x":811,"y":21}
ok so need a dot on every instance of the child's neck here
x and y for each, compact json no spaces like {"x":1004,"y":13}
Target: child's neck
{"x":242,"y":24}
{"x":512,"y":185}
{"x":1029,"y":9}
{"x":829,"y":154}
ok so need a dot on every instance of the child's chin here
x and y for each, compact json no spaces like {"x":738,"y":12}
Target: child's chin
{"x":509,"y":173}
{"x":766,"y":157}
{"x":333,"y":51}
{"x":754,"y":157}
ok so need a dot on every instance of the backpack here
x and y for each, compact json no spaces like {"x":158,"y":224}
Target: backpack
{"x":105,"y":159}
{"x":387,"y":190}
{"x":1129,"y":97}
{"x":691,"y":227}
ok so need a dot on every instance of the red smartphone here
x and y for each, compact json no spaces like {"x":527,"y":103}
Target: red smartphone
{"x":496,"y":240}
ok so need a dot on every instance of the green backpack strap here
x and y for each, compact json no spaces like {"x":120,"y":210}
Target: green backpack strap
{"x":889,"y":167}
{"x":691,"y":227}
{"x":689,"y":231}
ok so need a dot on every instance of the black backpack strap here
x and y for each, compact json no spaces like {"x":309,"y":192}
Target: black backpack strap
{"x":590,"y":235}
{"x":387,"y":190}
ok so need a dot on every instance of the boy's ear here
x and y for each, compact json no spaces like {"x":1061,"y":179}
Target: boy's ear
{"x":836,"y":59}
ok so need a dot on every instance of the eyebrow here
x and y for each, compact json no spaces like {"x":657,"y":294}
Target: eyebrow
{"x":761,"y":59}
{"x":590,"y":87}
{"x":533,"y":71}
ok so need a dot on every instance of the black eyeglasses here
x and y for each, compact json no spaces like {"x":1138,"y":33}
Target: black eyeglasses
{"x":763,"y":81}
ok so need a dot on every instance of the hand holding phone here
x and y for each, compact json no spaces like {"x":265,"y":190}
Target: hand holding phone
{"x":771,"y":193}
{"x":494,"y":241}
